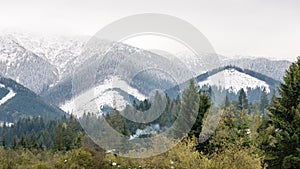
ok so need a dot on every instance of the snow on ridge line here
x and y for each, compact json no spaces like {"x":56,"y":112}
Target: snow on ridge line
{"x":101,"y":95}
{"x":234,"y":81}
{"x":7,"y":97}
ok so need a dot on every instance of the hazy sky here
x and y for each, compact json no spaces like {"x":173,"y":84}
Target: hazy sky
{"x":269,"y":28}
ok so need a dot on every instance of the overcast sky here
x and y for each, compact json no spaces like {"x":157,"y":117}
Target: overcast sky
{"x":268,"y":28}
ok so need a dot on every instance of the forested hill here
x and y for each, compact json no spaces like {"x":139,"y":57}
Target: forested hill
{"x":17,"y":101}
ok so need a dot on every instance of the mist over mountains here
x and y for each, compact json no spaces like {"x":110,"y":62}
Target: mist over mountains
{"x":48,"y":66}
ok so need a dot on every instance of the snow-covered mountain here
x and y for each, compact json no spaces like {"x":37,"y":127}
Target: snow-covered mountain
{"x":229,"y":80}
{"x":46,"y":64}
{"x":24,"y":66}
{"x":272,"y":68}
{"x":234,"y":80}
{"x":60,"y":51}
{"x":141,"y":69}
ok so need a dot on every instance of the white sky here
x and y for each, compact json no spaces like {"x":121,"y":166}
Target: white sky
{"x":268,"y":28}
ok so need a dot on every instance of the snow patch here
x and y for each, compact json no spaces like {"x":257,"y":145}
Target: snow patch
{"x":8,"y":96}
{"x":152,"y":129}
{"x":234,"y":81}
{"x":101,"y":95}
{"x":7,"y":124}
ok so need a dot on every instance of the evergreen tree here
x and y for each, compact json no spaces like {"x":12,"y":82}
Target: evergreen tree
{"x":14,"y":146}
{"x":3,"y":140}
{"x":227,"y":102}
{"x":264,"y":102}
{"x":285,"y":116}
{"x":22,"y":141}
{"x":188,"y":110}
{"x":273,"y":97}
{"x":59,"y":140}
{"x":243,"y":100}
{"x":204,"y":105}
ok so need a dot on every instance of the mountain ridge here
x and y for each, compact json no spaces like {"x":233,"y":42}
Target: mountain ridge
{"x":23,"y":102}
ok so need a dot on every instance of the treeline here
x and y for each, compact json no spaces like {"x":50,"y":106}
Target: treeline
{"x":43,"y":134}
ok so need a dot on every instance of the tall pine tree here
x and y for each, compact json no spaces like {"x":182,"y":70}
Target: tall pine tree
{"x":264,"y":102}
{"x":188,"y":110}
{"x":285,"y":116}
{"x":204,"y":105}
{"x":243,"y":100}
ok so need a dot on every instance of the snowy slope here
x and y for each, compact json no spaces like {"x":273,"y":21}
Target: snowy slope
{"x":24,"y":66}
{"x":56,"y":49}
{"x":101,"y":95}
{"x":8,"y":96}
{"x":234,"y":81}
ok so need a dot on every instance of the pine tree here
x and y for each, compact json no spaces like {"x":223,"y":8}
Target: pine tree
{"x":22,"y":141}
{"x":15,"y":144}
{"x":3,"y":140}
{"x":285,"y":116}
{"x":272,"y":101}
{"x":227,"y":102}
{"x":243,"y":100}
{"x":204,"y":105}
{"x":59,"y":138}
{"x":264,"y":102}
{"x":188,"y":110}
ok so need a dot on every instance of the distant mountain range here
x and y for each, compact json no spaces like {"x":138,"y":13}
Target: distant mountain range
{"x":49,"y":65}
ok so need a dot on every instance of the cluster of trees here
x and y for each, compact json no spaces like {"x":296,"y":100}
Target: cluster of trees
{"x":43,"y":134}
{"x":142,"y":111}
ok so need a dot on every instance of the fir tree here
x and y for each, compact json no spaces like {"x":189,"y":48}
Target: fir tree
{"x":227,"y":102}
{"x":188,"y":110}
{"x":243,"y":100}
{"x":264,"y":102}
{"x":285,"y":116}
{"x":204,"y":105}
{"x":15,"y":144}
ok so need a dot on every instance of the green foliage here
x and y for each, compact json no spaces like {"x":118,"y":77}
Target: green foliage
{"x":233,"y":143}
{"x":285,"y":116}
{"x":204,"y":105}
{"x":264,"y":102}
{"x":78,"y":158}
{"x":188,"y":110}
{"x":118,"y":122}
{"x":38,"y":133}
{"x":243,"y":100}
